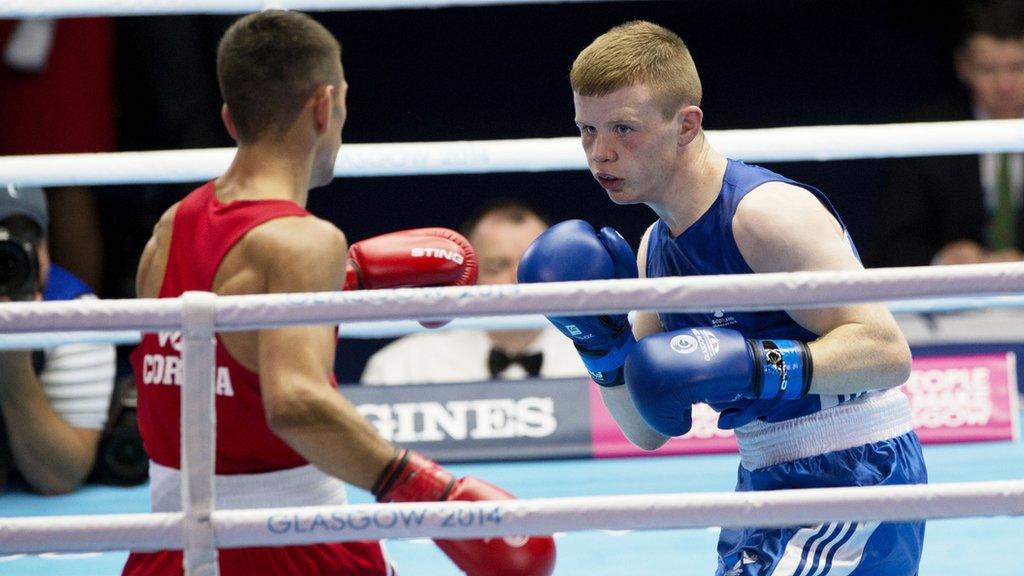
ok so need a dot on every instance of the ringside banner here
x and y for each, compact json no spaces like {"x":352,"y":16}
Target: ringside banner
{"x":953,"y":398}
{"x":965,"y":398}
{"x":506,"y":420}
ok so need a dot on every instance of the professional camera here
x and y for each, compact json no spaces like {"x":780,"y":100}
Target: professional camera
{"x":122,"y":459}
{"x":19,"y":267}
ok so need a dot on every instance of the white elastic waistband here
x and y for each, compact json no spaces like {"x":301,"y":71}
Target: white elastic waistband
{"x":872,"y":418}
{"x":302,"y":486}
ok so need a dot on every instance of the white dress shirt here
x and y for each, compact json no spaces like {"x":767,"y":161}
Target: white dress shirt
{"x":461,"y":356}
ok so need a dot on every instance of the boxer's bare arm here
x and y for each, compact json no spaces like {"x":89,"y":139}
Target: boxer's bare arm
{"x":645,"y":322}
{"x":153,"y":261}
{"x":295,"y":364}
{"x":616,"y":399}
{"x":860,"y":346}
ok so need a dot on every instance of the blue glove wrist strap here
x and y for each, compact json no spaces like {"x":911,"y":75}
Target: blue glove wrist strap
{"x":783,"y":369}
{"x":614,"y":358}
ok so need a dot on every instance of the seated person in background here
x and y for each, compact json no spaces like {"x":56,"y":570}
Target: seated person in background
{"x":964,"y":209}
{"x":54,"y":403}
{"x":499,"y":232}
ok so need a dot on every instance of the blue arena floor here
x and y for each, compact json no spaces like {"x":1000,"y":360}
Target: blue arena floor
{"x":952,"y":548}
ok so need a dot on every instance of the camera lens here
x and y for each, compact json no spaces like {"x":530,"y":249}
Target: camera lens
{"x":122,"y":460}
{"x":15,"y":268}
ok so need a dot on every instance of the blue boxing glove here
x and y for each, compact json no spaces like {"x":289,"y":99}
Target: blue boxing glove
{"x":572,"y":250}
{"x":669,"y":372}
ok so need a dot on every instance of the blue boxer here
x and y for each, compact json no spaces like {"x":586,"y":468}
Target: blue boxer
{"x":755,"y":369}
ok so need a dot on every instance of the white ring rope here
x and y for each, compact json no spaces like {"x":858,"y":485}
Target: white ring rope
{"x":528,"y":155}
{"x":738,"y":292}
{"x":307,"y":525}
{"x":735,"y":292}
{"x":70,"y":8}
{"x":397,"y":328}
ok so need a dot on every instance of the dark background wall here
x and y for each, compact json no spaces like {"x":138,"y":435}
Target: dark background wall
{"x":501,"y":72}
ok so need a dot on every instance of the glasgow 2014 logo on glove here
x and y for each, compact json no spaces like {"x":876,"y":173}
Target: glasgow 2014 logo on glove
{"x":706,"y":340}
{"x":683,"y":344}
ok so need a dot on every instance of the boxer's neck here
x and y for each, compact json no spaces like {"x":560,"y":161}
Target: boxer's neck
{"x":261,"y":172}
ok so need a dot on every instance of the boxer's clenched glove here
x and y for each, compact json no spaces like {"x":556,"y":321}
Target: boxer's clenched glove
{"x":411,"y":477}
{"x":572,"y":250}
{"x":667,"y":373}
{"x":412,"y":258}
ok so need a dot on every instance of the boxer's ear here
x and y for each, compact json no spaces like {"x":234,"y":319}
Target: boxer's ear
{"x":229,"y":122}
{"x":324,"y":107}
{"x":690,"y":119}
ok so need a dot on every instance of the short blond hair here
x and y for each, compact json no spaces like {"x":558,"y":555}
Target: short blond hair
{"x":637,"y":52}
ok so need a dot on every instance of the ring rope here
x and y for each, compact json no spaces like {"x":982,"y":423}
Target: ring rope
{"x":201,"y":313}
{"x":397,"y":328}
{"x":72,"y":8}
{"x":528,"y":155}
{"x":491,"y":518}
{"x":735,"y":292}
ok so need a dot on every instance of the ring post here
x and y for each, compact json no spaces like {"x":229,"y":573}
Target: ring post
{"x":198,"y":432}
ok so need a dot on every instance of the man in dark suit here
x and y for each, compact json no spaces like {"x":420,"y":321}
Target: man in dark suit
{"x":964,"y":209}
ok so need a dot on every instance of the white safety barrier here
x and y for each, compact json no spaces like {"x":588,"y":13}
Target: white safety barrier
{"x":308,"y":525}
{"x":528,"y":155}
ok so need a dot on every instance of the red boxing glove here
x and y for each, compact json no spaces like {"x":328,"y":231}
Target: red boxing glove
{"x":411,"y":258}
{"x":410,"y":477}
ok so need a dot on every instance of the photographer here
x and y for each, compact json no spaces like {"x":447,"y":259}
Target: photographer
{"x":54,"y":403}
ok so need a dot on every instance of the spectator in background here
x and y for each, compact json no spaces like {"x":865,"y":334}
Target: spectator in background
{"x":500,"y":232}
{"x":964,"y":209}
{"x":57,"y":96}
{"x":53,"y":404}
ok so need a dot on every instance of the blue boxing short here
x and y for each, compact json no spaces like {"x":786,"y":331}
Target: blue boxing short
{"x":809,"y":452}
{"x":835,"y":548}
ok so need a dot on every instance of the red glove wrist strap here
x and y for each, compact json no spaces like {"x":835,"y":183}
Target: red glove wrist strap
{"x":409,"y":477}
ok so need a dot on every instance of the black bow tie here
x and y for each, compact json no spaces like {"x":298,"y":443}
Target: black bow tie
{"x":498,"y":361}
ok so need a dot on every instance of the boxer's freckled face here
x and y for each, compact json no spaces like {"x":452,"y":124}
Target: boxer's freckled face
{"x":630,"y":146}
